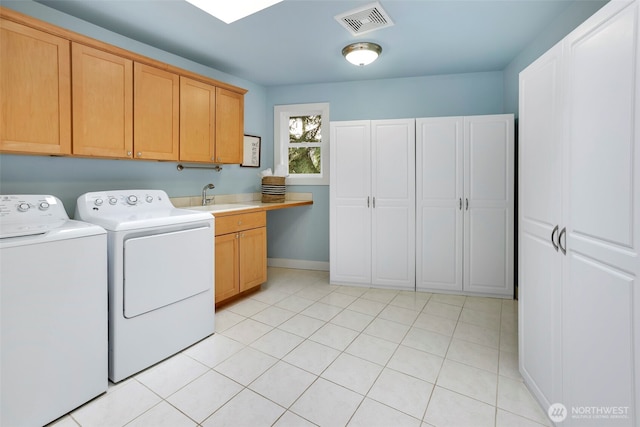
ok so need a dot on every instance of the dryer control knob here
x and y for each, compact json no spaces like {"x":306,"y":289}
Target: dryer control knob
{"x":132,"y":200}
{"x":149,"y":199}
{"x":113,"y":200}
{"x":43,"y":206}
{"x":98,"y":202}
{"x":23,"y":207}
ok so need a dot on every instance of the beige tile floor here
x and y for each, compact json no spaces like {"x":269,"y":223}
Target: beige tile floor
{"x":302,"y":352}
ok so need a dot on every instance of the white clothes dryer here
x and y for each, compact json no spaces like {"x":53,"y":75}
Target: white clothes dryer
{"x":53,"y":310}
{"x":161,"y":275}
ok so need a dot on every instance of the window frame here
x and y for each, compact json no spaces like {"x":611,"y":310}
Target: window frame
{"x":281,"y":115}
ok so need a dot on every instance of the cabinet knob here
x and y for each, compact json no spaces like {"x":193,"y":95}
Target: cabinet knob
{"x":239,"y":222}
{"x":129,"y":153}
{"x":139,"y":154}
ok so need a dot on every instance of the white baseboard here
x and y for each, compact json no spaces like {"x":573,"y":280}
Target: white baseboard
{"x":298,"y":264}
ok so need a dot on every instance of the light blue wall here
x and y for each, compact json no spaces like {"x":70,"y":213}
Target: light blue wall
{"x":566,"y":22}
{"x":303,"y":233}
{"x":68,"y":178}
{"x":300,"y":233}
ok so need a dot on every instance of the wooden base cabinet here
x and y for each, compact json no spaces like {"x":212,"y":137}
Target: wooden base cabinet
{"x":465,"y":204}
{"x":35,"y":91}
{"x":240,"y":254}
{"x":579,"y":245}
{"x":372,"y":203}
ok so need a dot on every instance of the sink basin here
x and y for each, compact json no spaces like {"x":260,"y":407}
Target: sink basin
{"x":220,"y":207}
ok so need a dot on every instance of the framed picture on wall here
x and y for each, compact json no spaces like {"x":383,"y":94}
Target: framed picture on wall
{"x":251,"y":154}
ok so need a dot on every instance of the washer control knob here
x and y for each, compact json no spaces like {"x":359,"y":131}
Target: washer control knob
{"x":149,"y":199}
{"x":98,"y":202}
{"x":132,"y":200}
{"x":23,"y":207}
{"x":113,"y":200}
{"x":43,"y":206}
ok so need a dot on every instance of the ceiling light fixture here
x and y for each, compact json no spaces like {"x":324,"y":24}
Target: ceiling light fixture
{"x":362,"y":53}
{"x":231,"y":10}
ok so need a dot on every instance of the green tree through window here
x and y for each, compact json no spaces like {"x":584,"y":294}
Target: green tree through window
{"x":306,"y":131}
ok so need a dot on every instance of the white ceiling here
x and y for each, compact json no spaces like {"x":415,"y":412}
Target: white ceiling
{"x":299,"y":41}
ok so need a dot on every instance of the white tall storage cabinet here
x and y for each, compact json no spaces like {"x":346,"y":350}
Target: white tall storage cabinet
{"x":579,"y":261}
{"x":372,"y":197}
{"x":465,"y":204}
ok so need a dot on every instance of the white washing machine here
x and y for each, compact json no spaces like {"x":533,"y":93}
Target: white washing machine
{"x":161,"y":275}
{"x":53,"y":310}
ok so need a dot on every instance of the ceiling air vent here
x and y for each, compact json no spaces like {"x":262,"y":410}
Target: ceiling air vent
{"x":365,"y":19}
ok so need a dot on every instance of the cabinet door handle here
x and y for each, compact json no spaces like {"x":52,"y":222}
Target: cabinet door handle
{"x":460,"y":203}
{"x":563,"y":248}
{"x":374,"y":202}
{"x":553,"y":242}
{"x":466,"y":204}
{"x":368,"y":200}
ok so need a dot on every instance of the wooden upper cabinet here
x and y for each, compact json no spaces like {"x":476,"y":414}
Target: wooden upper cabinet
{"x":197,"y":121}
{"x":211,"y":123}
{"x":62,"y":93}
{"x":102,"y":103}
{"x":229,"y":126}
{"x":35,"y":91}
{"x":156,"y":113}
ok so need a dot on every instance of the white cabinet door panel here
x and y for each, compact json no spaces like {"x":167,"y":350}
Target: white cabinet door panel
{"x":351,"y":253}
{"x":439,"y":258}
{"x":488,"y":199}
{"x":486,"y":252}
{"x":349,"y":214}
{"x":393,"y":203}
{"x":598,"y":339}
{"x":601,"y":128}
{"x":540,"y":299}
{"x":439,"y":190}
{"x":393,"y":258}
{"x":602,"y":213}
{"x":540,"y":208}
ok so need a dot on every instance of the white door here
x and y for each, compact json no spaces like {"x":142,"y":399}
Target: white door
{"x":602,"y":213}
{"x":540,"y":213}
{"x":350,"y":195}
{"x":393,"y":203}
{"x":439,"y":191}
{"x":488,"y":204}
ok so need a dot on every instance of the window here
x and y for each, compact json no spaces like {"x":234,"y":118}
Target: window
{"x":301,"y":141}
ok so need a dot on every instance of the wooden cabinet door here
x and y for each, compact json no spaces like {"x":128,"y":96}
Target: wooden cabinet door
{"x":197,"y":121}
{"x":350,"y":207}
{"x":156,"y":113}
{"x":102,"y":103}
{"x":253,"y":258}
{"x":35,"y":91}
{"x":393,"y":187}
{"x":439,"y":178}
{"x":488,"y":204}
{"x":540,"y":216}
{"x":226,"y":266}
{"x":229,"y":126}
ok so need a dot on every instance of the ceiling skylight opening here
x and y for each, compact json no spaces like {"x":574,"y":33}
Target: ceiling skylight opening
{"x":230,"y":11}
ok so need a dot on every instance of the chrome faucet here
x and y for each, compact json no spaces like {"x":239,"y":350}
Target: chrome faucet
{"x":205,"y":200}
